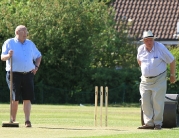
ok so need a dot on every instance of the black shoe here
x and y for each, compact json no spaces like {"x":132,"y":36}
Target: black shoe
{"x":146,"y":127}
{"x":28,"y":124}
{"x":158,"y":127}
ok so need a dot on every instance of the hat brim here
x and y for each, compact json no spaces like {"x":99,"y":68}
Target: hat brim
{"x":148,"y":37}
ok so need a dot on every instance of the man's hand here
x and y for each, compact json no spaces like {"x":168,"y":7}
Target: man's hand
{"x":10,"y":53}
{"x":172,"y":79}
{"x":34,"y":70}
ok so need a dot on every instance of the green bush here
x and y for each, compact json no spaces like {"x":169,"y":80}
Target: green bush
{"x":80,"y":49}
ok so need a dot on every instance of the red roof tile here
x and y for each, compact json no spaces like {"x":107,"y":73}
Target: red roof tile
{"x":158,"y":16}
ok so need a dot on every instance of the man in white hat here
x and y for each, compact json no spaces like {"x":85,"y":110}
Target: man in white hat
{"x":153,"y":58}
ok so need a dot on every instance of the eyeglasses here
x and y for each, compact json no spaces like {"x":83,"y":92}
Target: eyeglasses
{"x":24,"y":31}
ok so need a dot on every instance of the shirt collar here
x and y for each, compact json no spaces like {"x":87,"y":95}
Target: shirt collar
{"x":152,"y":48}
{"x":15,"y":38}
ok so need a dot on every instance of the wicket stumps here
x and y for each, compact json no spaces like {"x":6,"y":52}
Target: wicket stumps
{"x":101,"y":105}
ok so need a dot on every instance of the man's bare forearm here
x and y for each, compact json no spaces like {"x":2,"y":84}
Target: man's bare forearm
{"x":5,"y":57}
{"x":38,"y":60}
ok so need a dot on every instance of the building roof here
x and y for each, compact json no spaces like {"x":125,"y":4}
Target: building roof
{"x":159,"y":16}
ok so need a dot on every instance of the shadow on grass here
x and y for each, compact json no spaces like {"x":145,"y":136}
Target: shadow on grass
{"x":81,"y":128}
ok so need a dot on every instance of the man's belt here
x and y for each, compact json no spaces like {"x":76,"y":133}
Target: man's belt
{"x":22,"y":72}
{"x":155,"y":76}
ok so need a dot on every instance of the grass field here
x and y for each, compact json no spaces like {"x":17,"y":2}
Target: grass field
{"x":75,"y":121}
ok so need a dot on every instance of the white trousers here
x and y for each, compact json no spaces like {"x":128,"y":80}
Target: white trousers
{"x":152,"y":93}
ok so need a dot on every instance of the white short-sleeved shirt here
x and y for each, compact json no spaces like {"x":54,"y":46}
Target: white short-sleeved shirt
{"x":154,"y":62}
{"x":24,"y":54}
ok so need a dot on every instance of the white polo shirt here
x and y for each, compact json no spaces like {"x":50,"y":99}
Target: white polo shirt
{"x":154,"y":62}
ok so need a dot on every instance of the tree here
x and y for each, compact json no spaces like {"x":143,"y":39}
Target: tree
{"x":74,"y":36}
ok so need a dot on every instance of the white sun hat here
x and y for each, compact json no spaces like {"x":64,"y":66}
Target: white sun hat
{"x":147,"y":34}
